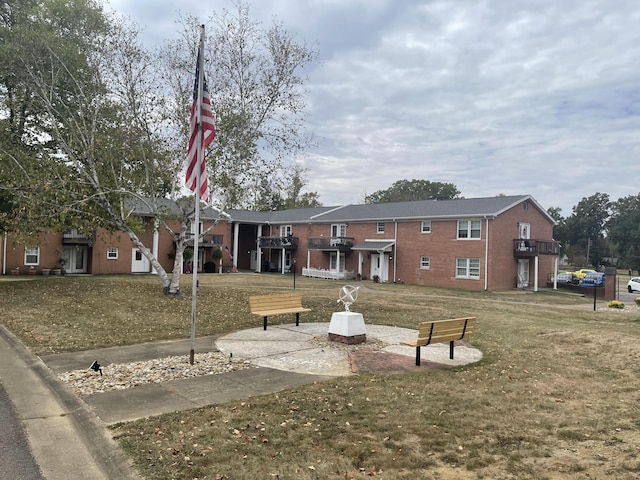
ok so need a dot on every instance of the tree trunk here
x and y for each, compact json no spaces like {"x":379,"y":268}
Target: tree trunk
{"x":174,"y":285}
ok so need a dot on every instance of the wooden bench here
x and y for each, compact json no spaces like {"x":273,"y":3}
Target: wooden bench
{"x":277,"y":304}
{"x":440,"y":331}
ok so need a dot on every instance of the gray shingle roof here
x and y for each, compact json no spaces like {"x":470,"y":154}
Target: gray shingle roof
{"x":422,"y":209}
{"x":294,"y":215}
{"x":374,"y":245}
{"x":427,"y":209}
{"x":166,"y":206}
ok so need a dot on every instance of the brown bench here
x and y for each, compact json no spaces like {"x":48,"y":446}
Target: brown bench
{"x":277,"y":304}
{"x":440,"y":331}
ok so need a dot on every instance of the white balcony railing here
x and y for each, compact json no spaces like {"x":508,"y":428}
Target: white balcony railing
{"x":330,"y":274}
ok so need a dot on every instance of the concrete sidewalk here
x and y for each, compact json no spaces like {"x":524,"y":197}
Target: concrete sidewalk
{"x":287,"y":356}
{"x":171,"y":396}
{"x":67,"y":440}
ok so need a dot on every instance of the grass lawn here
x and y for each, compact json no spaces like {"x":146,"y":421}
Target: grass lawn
{"x":555,"y":396}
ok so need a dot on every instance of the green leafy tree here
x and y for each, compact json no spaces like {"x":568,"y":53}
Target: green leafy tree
{"x":410,"y":190}
{"x":40,"y":38}
{"x":98,"y":134}
{"x":560,"y":232}
{"x":309,"y":200}
{"x":268,"y":197}
{"x":586,"y":228}
{"x":624,"y":230}
{"x":295,"y":198}
{"x":82,"y":148}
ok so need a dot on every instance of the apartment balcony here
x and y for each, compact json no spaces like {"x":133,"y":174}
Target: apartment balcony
{"x":331,"y":244}
{"x":206,"y":241}
{"x":288,"y":243}
{"x":533,"y":248}
{"x":75,"y":237}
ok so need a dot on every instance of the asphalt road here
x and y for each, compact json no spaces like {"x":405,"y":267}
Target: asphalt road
{"x":16,"y":460}
{"x":626,"y":297}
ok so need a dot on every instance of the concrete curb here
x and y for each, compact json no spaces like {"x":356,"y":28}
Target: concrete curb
{"x":68,"y":441}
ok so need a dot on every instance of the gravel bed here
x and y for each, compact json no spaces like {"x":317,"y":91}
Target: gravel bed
{"x":127,"y":375}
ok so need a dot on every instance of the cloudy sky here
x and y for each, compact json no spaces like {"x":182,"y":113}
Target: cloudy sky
{"x":514,"y":97}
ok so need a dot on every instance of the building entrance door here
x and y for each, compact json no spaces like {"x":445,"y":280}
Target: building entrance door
{"x":75,"y":259}
{"x":379,"y":266}
{"x":139,"y":263}
{"x":523,"y":273}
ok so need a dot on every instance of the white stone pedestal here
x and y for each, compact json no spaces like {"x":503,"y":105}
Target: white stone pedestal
{"x":347,"y":327}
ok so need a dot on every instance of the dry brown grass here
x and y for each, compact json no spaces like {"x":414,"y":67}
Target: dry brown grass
{"x":556,"y":395}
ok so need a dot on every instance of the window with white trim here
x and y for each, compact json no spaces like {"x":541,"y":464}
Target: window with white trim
{"x":32,"y":255}
{"x":380,"y":227}
{"x":112,"y":253}
{"x":193,"y":230}
{"x":339,"y":230}
{"x":425,"y":263}
{"x":286,"y":230}
{"x":468,"y":268}
{"x":426,"y":226}
{"x":469,"y":229}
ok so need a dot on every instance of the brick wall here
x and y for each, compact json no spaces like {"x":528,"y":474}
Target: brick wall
{"x":443,"y":247}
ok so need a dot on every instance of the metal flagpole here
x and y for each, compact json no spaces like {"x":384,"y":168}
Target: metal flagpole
{"x":196,"y":235}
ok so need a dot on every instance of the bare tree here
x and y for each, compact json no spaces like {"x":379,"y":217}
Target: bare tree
{"x":257,"y":84}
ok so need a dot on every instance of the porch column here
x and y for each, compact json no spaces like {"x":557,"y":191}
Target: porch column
{"x":360,"y":263}
{"x":555,"y":273}
{"x":535,"y":273}
{"x":259,"y":250}
{"x":282,"y":260}
{"x":236,"y":232}
{"x":4,"y":253}
{"x":394,"y":249}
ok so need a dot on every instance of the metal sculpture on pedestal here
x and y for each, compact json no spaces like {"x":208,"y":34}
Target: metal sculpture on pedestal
{"x":347,"y":327}
{"x":348,"y":296}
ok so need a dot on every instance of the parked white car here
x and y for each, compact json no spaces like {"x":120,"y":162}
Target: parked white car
{"x":566,"y":277}
{"x":634,"y":285}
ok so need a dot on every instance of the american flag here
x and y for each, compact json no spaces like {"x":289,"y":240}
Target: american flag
{"x":200,"y":111}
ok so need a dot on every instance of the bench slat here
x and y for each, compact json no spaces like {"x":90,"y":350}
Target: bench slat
{"x":281,"y":311}
{"x":275,"y":301}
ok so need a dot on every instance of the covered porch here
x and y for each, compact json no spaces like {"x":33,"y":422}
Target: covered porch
{"x":380,"y":255}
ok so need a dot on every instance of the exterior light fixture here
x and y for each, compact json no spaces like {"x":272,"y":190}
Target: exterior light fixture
{"x":95,"y":366}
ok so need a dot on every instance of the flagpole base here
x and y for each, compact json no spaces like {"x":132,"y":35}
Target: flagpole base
{"x":192,"y":354}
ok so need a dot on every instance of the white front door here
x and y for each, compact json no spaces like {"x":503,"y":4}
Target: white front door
{"x":139,"y":263}
{"x":523,"y":273}
{"x":379,"y":266}
{"x":254,"y":260}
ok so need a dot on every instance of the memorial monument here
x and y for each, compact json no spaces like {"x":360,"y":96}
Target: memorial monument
{"x":347,"y":327}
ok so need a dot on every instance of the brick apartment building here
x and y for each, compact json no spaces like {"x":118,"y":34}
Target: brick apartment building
{"x":489,"y":243}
